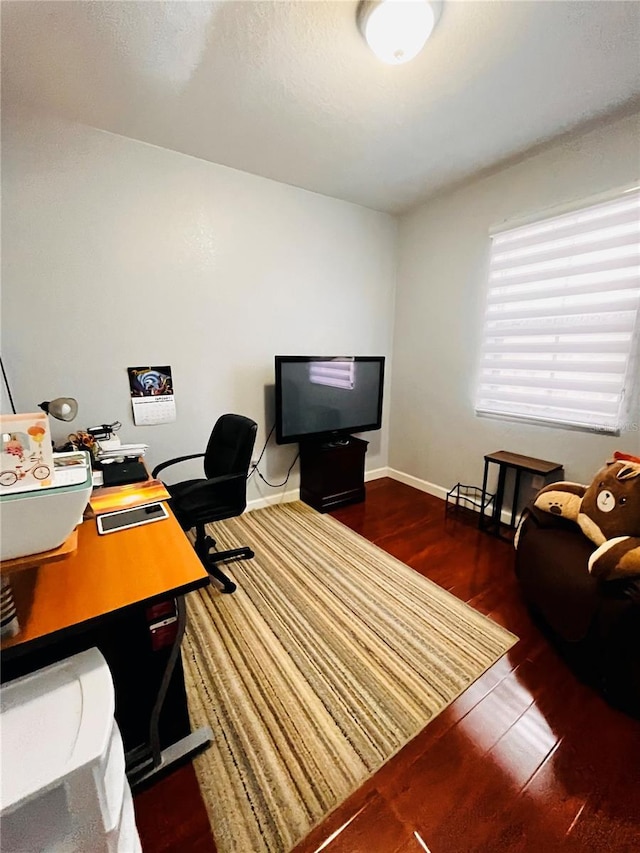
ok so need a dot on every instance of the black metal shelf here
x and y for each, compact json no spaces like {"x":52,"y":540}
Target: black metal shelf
{"x":462,"y":496}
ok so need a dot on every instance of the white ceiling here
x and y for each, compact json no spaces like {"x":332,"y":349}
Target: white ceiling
{"x":289,"y":90}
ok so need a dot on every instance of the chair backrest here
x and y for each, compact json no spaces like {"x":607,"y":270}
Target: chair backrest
{"x":230,"y":446}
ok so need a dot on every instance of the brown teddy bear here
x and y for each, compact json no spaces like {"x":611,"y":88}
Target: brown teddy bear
{"x":607,"y":512}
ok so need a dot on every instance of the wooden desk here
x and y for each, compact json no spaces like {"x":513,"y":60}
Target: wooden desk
{"x":106,"y":574}
{"x":99,"y":596}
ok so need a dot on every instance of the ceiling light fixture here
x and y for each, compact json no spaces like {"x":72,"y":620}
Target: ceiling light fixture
{"x":397,"y":30}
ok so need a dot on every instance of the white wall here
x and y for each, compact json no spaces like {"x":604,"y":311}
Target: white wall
{"x":117,"y":254}
{"x":443,"y":260}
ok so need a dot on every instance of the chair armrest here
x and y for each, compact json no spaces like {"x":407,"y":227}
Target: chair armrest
{"x":166,"y":464}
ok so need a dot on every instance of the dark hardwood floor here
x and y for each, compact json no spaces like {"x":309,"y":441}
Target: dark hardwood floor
{"x":527,"y":760}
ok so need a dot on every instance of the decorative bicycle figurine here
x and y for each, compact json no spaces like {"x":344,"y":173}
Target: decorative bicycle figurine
{"x":39,"y":470}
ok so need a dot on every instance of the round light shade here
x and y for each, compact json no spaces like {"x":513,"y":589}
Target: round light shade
{"x":62,"y":408}
{"x":397,"y":30}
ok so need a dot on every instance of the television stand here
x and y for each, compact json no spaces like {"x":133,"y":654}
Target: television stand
{"x":332,"y":472}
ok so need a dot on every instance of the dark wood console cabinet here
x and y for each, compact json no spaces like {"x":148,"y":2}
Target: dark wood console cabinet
{"x":332,"y":473}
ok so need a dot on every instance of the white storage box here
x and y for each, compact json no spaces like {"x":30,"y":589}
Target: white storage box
{"x":63,"y":787}
{"x":36,"y":521}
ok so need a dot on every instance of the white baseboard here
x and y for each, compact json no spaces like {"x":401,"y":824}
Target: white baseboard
{"x":376,"y":474}
{"x":434,"y":489}
{"x":417,"y":483}
{"x":294,"y":494}
{"x":283,"y":498}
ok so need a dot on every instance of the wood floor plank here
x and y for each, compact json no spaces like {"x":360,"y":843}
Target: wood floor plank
{"x":527,"y":759}
{"x":374,"y":817}
{"x":171,"y":815}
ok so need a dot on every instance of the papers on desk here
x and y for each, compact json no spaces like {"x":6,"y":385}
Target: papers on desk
{"x":121,"y":451}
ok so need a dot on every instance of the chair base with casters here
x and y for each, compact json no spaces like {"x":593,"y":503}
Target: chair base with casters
{"x":221,"y":494}
{"x":209,"y":558}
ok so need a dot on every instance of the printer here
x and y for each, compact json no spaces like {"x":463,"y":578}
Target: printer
{"x":40,"y":520}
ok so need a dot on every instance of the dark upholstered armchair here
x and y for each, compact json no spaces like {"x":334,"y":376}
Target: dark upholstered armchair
{"x":594,"y":623}
{"x":221,"y":494}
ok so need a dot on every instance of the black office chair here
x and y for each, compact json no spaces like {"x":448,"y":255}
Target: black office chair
{"x":223,"y":494}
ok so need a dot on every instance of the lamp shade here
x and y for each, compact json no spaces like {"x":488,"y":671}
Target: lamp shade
{"x":397,"y":30}
{"x":62,"y":408}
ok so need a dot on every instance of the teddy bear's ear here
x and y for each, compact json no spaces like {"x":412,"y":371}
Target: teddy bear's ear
{"x":628,"y":472}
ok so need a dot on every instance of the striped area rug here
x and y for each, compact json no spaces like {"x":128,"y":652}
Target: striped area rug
{"x":327,"y":660}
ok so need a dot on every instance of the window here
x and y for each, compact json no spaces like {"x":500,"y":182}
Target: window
{"x":562,"y":317}
{"x":337,"y":374}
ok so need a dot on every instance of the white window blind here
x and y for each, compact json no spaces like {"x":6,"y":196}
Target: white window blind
{"x":337,"y":374}
{"x":562,"y":312}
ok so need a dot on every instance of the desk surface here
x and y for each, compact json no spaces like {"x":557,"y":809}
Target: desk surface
{"x":106,"y":574}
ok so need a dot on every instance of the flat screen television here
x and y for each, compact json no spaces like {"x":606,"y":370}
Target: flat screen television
{"x":325,"y":398}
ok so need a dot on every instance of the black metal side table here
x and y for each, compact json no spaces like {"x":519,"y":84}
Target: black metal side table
{"x":505,"y":461}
